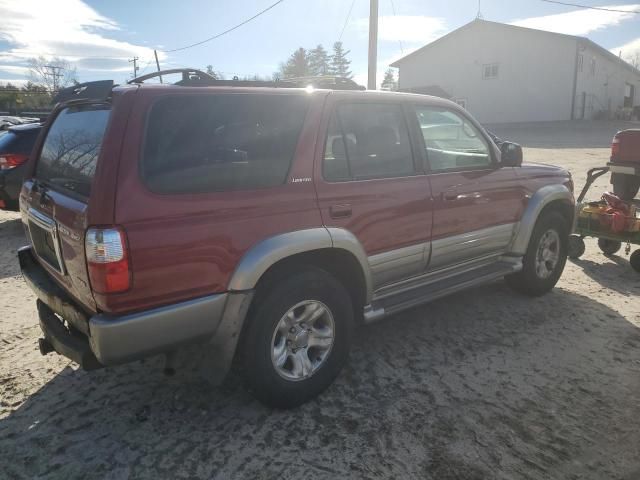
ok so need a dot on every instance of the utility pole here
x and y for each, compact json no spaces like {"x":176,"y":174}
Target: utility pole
{"x":155,"y":52}
{"x":54,"y":72}
{"x":135,"y":66}
{"x":373,"y":44}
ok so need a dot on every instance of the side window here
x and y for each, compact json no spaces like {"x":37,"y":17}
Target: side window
{"x":452,"y":142}
{"x":209,"y":143}
{"x":367,"y":141}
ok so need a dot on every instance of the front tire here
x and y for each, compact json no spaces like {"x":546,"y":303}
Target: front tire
{"x":609,"y":247}
{"x":298,"y":338}
{"x":545,"y":258}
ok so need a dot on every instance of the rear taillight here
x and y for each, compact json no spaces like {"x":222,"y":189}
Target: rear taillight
{"x":615,"y":147}
{"x":107,"y":260}
{"x":9,"y":161}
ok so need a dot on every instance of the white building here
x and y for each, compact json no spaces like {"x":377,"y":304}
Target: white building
{"x":503,"y":73}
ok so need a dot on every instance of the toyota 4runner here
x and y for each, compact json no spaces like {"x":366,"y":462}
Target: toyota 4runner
{"x":266,"y":223}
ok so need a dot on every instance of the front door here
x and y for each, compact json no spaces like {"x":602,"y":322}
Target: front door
{"x":369,"y":184}
{"x":476,"y":202}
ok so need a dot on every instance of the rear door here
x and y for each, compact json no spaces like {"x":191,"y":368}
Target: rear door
{"x":369,"y":183}
{"x":57,"y":195}
{"x":477,"y":202}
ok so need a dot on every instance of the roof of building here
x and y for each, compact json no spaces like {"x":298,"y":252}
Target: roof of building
{"x":475,"y":22}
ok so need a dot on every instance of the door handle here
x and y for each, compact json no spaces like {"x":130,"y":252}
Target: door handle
{"x":340,"y":211}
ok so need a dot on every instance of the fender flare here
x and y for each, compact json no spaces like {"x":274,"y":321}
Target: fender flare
{"x":538,"y":201}
{"x":259,"y":258}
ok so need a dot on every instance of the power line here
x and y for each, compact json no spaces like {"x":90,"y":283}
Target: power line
{"x":228,"y":30}
{"x":605,"y":9}
{"x":393,"y":8}
{"x":346,"y":21}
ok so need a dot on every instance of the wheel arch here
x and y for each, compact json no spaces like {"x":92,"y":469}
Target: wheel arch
{"x":549,"y":198}
{"x":333,"y":249}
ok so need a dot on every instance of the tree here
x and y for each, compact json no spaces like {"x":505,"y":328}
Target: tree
{"x":296,"y":66}
{"x":389,"y":80}
{"x":319,"y":61}
{"x":214,"y":74}
{"x":633,"y":59}
{"x":339,"y":62}
{"x":53,"y":74}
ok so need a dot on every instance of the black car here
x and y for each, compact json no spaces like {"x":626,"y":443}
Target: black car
{"x":15,"y":147}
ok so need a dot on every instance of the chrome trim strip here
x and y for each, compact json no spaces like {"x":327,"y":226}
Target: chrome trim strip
{"x":48,"y":224}
{"x":459,"y":248}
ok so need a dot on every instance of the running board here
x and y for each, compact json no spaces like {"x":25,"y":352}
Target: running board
{"x":436,"y":286}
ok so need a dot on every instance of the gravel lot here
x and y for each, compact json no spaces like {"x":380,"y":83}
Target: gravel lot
{"x":482,"y":385}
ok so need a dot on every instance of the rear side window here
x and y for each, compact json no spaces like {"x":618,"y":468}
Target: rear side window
{"x":70,"y":152}
{"x":367,"y":141}
{"x":197,"y":144}
{"x":22,"y":142}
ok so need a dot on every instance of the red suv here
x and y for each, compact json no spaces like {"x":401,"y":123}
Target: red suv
{"x":268,"y":223}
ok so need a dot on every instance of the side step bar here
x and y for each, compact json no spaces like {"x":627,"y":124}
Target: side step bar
{"x":436,"y":286}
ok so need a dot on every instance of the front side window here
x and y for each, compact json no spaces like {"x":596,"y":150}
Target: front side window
{"x":367,"y":141}
{"x":208,"y":143}
{"x":452,"y":142}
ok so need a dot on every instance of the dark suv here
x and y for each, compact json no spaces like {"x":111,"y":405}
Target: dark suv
{"x":15,"y":147}
{"x":268,"y":223}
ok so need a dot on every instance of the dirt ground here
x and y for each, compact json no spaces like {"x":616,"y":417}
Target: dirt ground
{"x":485,"y":384}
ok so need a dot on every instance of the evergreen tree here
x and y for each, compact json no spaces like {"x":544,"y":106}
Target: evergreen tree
{"x":389,"y":81}
{"x":319,"y":61}
{"x":339,"y":62}
{"x":296,"y":66}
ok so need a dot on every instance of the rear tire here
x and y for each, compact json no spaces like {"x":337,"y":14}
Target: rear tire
{"x":289,"y":355}
{"x":609,"y":247}
{"x":576,"y":246}
{"x":625,"y":186}
{"x":545,"y":258}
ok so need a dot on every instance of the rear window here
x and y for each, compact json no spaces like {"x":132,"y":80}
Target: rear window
{"x":70,"y":152}
{"x":11,"y":142}
{"x":197,"y":144}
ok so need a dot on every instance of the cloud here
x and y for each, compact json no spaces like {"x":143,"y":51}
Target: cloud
{"x":630,"y":51}
{"x":405,"y":28}
{"x":69,"y":29}
{"x":579,"y":22}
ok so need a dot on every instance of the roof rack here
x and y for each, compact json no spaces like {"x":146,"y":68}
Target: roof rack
{"x":195,"y":77}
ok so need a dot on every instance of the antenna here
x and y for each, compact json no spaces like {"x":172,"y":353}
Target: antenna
{"x":479,"y":15}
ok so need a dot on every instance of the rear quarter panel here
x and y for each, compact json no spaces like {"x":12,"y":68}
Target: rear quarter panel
{"x":188,"y":245}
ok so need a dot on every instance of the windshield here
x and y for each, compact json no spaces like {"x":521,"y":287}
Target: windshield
{"x":71,"y":149}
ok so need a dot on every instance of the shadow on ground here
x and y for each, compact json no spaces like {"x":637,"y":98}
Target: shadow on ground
{"x":484,"y":384}
{"x":12,"y":236}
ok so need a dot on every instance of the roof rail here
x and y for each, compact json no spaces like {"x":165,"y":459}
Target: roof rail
{"x":195,"y":77}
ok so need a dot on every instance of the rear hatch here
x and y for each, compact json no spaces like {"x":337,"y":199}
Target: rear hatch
{"x":57,"y":195}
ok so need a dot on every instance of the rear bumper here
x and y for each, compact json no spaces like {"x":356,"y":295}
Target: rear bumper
{"x":98,"y":340}
{"x":10,"y":184}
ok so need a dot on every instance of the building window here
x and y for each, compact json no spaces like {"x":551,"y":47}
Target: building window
{"x":592,"y":67}
{"x":490,"y":71}
{"x":580,"y":63}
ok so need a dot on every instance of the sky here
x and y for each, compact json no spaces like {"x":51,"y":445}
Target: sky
{"x":100,"y":37}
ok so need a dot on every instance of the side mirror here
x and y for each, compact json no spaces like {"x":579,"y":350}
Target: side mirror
{"x":511,"y":154}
